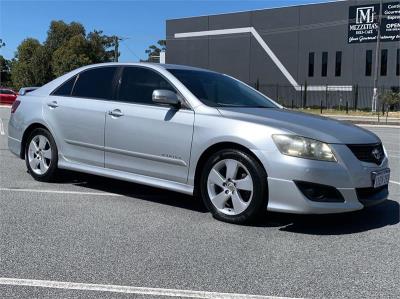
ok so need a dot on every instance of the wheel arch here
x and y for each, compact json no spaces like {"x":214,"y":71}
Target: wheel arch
{"x":27,"y":132}
{"x":215,"y":148}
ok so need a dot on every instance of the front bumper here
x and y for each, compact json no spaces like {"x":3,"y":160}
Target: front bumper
{"x":348,"y":175}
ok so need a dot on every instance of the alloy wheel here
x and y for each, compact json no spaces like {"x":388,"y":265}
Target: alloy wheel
{"x":39,"y":154}
{"x":230,"y":186}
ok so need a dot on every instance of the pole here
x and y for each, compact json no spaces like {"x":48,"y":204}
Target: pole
{"x":326,"y":98}
{"x":378,"y":41}
{"x":116,"y":44}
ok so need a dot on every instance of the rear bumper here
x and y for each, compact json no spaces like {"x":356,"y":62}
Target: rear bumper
{"x":14,"y":146}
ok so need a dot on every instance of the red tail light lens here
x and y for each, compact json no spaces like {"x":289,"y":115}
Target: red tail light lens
{"x":15,"y":106}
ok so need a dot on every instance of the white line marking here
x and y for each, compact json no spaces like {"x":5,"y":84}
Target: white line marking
{"x":379,"y":126}
{"x":394,"y":182}
{"x":58,"y":192}
{"x":269,"y":52}
{"x":390,"y":143}
{"x":128,"y":289}
{"x":2,"y":128}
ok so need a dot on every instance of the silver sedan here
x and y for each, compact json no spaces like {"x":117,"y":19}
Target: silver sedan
{"x":198,"y":132}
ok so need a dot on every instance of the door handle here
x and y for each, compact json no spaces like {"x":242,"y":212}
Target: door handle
{"x":52,"y":104}
{"x":115,"y":113}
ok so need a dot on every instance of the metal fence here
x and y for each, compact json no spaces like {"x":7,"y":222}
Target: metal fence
{"x":328,"y":97}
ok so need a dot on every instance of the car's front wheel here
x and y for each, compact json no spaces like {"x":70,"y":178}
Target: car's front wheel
{"x":234,"y":186}
{"x":41,"y":155}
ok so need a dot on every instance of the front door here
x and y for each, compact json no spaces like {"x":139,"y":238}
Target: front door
{"x":145,"y":138}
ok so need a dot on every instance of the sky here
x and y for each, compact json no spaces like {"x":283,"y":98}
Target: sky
{"x":142,"y":23}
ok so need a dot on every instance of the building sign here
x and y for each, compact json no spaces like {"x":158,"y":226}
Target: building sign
{"x":363,"y":23}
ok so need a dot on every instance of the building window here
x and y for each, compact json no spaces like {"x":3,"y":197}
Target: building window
{"x":324,"y":70}
{"x":368,"y":63}
{"x":384,"y":57}
{"x":311,"y":64}
{"x":398,"y":63}
{"x":338,"y":64}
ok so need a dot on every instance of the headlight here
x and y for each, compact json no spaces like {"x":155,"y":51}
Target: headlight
{"x":302,"y":147}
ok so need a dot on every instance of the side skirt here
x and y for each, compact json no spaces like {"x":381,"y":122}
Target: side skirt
{"x":125,"y":176}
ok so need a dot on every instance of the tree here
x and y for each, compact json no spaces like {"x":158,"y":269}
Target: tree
{"x":72,"y":55}
{"x":390,"y":98}
{"x":60,"y":33}
{"x":101,"y":46}
{"x":31,"y":64}
{"x":153,"y":52}
{"x":5,"y":76}
{"x":81,"y":50}
{"x":66,"y":47}
{"x":71,"y":48}
{"x":41,"y":64}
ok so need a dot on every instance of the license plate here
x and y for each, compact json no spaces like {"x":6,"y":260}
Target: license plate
{"x":380,"y":178}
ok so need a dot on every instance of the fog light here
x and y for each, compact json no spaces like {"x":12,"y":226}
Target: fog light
{"x":319,"y":193}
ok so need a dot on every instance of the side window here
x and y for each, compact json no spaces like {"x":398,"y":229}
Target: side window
{"x":138,"y":84}
{"x":65,"y":88}
{"x":95,"y":83}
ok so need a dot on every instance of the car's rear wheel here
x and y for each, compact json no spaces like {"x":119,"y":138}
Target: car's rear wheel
{"x":41,"y":155}
{"x":234,"y":186}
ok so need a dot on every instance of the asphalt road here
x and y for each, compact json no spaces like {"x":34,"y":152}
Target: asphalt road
{"x":87,"y":229}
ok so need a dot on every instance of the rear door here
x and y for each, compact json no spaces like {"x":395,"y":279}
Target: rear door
{"x":145,"y":138}
{"x":76,"y":113}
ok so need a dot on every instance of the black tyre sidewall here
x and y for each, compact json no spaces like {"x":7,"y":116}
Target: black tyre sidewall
{"x":258,"y":204}
{"x":49,"y":175}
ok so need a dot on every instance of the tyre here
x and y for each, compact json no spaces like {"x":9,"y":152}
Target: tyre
{"x":233,"y":186}
{"x":41,"y":155}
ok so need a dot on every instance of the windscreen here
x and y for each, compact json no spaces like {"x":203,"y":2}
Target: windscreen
{"x":218,"y":90}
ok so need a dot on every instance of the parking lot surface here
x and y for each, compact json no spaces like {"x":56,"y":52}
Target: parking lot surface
{"x":96,"y":231}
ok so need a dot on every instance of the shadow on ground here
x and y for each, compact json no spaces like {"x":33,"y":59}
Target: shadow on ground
{"x":367,"y":219}
{"x":156,"y":195}
{"x":385,"y":214}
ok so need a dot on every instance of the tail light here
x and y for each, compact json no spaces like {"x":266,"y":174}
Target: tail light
{"x":15,"y":106}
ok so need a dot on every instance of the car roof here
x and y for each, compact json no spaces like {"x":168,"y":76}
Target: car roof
{"x":49,"y":87}
{"x":148,"y":64}
{"x":182,"y":67}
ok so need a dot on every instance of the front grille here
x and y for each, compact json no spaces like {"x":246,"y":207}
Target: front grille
{"x":371,"y":153}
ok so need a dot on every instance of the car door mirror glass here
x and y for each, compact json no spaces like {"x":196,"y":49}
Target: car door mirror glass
{"x":166,"y":97}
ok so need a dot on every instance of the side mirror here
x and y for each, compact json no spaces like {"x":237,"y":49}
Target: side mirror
{"x":166,"y":97}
